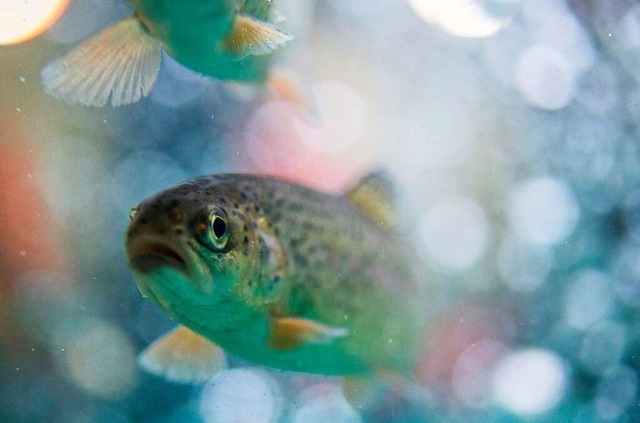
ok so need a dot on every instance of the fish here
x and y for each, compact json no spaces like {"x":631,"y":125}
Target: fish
{"x":278,"y":274}
{"x":224,"y":39}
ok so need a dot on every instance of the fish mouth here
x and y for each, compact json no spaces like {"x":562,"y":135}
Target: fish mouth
{"x":147,"y":257}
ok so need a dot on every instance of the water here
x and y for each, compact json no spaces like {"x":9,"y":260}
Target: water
{"x":510,"y":128}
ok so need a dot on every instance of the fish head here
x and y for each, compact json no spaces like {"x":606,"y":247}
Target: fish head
{"x":190,"y":246}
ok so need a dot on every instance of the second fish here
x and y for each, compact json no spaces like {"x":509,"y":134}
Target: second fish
{"x":225,"y":39}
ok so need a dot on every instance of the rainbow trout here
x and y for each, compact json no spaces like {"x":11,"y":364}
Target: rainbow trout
{"x":277,"y":274}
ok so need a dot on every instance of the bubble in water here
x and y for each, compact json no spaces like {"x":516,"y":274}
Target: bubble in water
{"x":455,"y":231}
{"x":530,"y":382}
{"x":543,"y":211}
{"x":545,"y":77}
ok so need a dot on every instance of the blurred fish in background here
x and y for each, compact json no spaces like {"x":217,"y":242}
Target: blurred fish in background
{"x":222,"y":38}
{"x":510,"y":128}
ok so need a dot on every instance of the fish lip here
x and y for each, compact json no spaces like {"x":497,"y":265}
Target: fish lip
{"x":148,"y":256}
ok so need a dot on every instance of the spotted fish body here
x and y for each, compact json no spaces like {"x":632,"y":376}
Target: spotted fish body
{"x":290,"y":254}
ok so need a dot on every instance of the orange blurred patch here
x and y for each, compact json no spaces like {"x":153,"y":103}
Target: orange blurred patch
{"x":273,"y":144}
{"x":29,"y":239}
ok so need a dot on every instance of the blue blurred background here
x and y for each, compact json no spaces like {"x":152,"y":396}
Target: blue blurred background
{"x":510,"y":126}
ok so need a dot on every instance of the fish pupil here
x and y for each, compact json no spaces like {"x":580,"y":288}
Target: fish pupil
{"x":219,"y":227}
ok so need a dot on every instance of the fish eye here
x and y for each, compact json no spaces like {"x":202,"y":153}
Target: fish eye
{"x":214,"y":232}
{"x":218,"y":227}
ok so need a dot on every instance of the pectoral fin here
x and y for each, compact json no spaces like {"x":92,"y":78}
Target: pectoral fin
{"x":289,"y":333}
{"x":119,"y":64}
{"x":183,"y":356}
{"x":249,"y":36}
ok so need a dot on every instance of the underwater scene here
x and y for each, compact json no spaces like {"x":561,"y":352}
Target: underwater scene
{"x":281,"y":211}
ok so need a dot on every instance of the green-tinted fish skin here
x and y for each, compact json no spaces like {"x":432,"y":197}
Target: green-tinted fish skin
{"x":293,"y":252}
{"x":191,"y":32}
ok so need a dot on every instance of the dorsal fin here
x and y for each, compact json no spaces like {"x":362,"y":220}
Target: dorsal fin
{"x":375,"y":197}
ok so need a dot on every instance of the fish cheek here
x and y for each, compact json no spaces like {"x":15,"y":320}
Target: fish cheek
{"x":272,"y":262}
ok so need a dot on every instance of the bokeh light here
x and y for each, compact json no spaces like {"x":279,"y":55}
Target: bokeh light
{"x":455,"y":232}
{"x":530,"y":382}
{"x":545,"y":77}
{"x":241,"y":395}
{"x":101,"y":360}
{"x":589,"y":299}
{"x":543,"y":211}
{"x":462,"y":18}
{"x":21,"y":20}
{"x":321,"y":405}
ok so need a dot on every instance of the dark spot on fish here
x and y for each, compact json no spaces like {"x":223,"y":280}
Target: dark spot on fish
{"x":222,"y":200}
{"x":234,"y":212}
{"x":178,"y":231}
{"x":236,"y":205}
{"x":175,"y":203}
{"x":301,"y":260}
{"x":245,"y":240}
{"x":296,"y":207}
{"x":207,"y":193}
{"x":143,"y":221}
{"x":256,"y":208}
{"x":243,"y":195}
{"x":245,"y":227}
{"x":162,"y":231}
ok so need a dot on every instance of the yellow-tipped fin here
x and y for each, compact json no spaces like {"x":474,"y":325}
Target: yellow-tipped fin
{"x":374,"y":197}
{"x":183,"y":356}
{"x":249,"y":36}
{"x":289,"y":333}
{"x":120,"y":64}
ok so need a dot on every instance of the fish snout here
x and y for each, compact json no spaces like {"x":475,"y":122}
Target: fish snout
{"x":157,"y":238}
{"x":147,"y":255}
